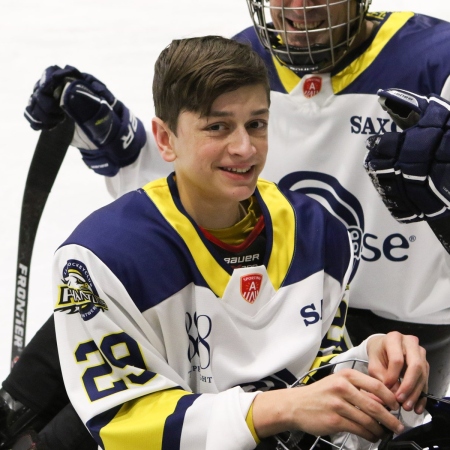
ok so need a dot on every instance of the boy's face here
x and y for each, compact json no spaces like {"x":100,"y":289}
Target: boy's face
{"x":218,"y":158}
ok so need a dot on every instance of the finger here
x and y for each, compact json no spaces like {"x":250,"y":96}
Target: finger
{"x":419,"y":407}
{"x":396,"y":358}
{"x":355,"y":427}
{"x":349,"y":415}
{"x":357,"y":421}
{"x":371,"y":414}
{"x":389,"y":364}
{"x":416,"y":374}
{"x":364,"y":389}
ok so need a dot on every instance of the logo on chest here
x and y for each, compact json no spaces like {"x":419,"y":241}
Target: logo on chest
{"x":312,"y":86}
{"x":250,"y":286}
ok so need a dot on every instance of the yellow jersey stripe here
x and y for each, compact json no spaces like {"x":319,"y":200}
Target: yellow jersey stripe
{"x":284,"y":229}
{"x":288,"y":78}
{"x":215,"y":275}
{"x":251,"y":426}
{"x":140,"y":422}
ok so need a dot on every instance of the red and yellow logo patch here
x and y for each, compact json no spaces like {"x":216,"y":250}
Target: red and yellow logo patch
{"x":250,"y":286}
{"x":312,"y":86}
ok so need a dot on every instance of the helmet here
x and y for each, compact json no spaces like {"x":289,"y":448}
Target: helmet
{"x":308,"y":38}
{"x":434,"y":435}
{"x":299,"y":440}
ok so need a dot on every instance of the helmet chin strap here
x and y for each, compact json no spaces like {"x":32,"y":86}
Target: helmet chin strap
{"x":302,"y":64}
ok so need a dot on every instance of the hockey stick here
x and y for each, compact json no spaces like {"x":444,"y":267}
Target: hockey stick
{"x":48,"y":156}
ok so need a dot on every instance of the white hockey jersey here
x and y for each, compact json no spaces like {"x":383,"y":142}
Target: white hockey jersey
{"x":162,"y":344}
{"x":317,"y":132}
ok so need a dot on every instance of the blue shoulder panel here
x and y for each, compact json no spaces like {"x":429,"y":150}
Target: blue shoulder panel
{"x":149,"y":246}
{"x":415,"y":58}
{"x":248,"y":36}
{"x":322,"y":240}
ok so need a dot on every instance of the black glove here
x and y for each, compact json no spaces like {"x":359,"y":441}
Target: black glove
{"x":106,"y":132}
{"x":411,"y":169}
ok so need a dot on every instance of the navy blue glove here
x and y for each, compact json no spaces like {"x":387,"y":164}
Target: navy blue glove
{"x":43,"y":110}
{"x":411,"y":169}
{"x":107,"y":134}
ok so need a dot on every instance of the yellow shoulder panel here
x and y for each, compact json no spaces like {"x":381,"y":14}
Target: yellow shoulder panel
{"x":284,"y":231}
{"x":216,"y":277}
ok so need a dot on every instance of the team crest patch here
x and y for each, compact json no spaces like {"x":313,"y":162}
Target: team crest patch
{"x":312,"y":86}
{"x":78,"y":293}
{"x":250,"y":286}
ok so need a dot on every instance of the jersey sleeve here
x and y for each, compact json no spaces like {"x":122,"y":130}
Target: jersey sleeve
{"x":148,"y":166}
{"x":117,"y":375}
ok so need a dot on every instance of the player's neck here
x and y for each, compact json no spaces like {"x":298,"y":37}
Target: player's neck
{"x":367,"y":28}
{"x":215,"y":215}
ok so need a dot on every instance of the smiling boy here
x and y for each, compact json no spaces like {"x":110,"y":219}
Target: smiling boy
{"x":163,"y":343}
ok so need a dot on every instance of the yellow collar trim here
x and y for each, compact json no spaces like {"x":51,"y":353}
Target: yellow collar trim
{"x":283,"y":229}
{"x":214,"y":274}
{"x":288,"y":78}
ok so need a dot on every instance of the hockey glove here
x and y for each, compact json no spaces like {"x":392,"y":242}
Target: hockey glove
{"x":411,"y":169}
{"x":106,"y":132}
{"x":43,"y":110}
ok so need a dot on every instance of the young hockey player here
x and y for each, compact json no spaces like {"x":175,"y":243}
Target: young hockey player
{"x":323,"y":109}
{"x":163,"y":338}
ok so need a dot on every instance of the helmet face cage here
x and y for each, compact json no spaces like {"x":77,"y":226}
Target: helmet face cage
{"x":432,"y":435}
{"x":303,"y":49}
{"x":298,"y":440}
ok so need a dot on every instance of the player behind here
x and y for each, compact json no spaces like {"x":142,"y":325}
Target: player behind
{"x":330,"y":58}
{"x":161,"y":336}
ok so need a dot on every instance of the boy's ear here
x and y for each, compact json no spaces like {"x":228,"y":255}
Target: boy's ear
{"x":163,"y":138}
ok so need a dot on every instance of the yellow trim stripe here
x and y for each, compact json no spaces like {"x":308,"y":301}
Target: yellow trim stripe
{"x":216,"y":277}
{"x":251,"y":426}
{"x":140,"y":422}
{"x":284,"y":230}
{"x":344,"y":78}
{"x":288,"y":78}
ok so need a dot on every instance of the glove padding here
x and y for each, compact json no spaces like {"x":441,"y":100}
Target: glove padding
{"x":411,"y":169}
{"x":107,"y":134}
{"x":43,"y":110}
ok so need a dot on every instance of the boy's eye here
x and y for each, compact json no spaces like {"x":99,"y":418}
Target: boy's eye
{"x":216,"y":127}
{"x":256,"y":124}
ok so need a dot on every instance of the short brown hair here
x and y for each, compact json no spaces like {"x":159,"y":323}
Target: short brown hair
{"x":191,"y":73}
